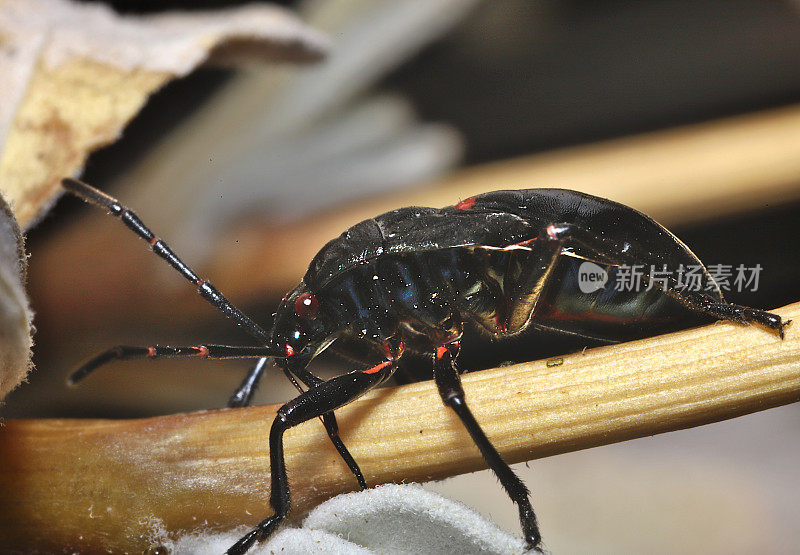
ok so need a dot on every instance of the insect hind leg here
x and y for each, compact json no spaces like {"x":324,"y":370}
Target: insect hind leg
{"x":737,"y":313}
{"x":452,"y":394}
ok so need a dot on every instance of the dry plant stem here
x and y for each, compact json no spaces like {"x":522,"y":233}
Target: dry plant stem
{"x":96,"y":484}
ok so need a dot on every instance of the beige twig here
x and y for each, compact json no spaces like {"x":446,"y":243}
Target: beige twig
{"x":102,"y":484}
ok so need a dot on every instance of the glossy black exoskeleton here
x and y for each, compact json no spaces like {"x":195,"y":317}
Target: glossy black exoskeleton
{"x":410,"y":279}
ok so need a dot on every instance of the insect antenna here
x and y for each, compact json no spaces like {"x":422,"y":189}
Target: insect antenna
{"x":132,"y":221}
{"x":126,"y":352}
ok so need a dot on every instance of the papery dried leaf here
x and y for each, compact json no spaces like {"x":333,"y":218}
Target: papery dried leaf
{"x":15,"y":314}
{"x":75,"y":74}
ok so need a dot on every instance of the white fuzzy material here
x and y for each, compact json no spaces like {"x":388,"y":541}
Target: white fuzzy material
{"x":387,"y":519}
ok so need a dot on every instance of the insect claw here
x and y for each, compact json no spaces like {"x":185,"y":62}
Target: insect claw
{"x":782,"y":327}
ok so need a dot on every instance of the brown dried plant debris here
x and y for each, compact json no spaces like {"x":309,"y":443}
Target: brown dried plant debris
{"x":75,"y":74}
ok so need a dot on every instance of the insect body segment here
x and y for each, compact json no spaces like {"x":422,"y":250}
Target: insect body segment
{"x":413,"y":278}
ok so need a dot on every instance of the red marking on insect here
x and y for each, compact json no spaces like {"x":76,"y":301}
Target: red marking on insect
{"x":153,"y":241}
{"x":440,"y":352}
{"x":376,"y":368}
{"x":202,"y":351}
{"x":306,"y":306}
{"x":289,"y":351}
{"x":151,"y":351}
{"x":466,"y":203}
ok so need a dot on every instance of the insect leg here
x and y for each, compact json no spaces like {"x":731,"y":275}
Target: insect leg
{"x":132,"y":221}
{"x":449,"y":384}
{"x":331,"y":426}
{"x":126,"y":352}
{"x":243,"y":395}
{"x":734,"y":312}
{"x":317,"y":401}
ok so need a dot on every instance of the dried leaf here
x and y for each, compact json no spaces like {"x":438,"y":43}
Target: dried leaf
{"x":15,"y":314}
{"x":75,"y":74}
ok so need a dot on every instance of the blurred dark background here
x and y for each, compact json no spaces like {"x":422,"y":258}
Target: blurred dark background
{"x":520,"y":76}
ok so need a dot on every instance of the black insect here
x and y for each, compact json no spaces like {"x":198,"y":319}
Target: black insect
{"x":410,"y":279}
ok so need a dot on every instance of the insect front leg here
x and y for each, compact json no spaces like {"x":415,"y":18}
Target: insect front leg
{"x":320,"y":399}
{"x":243,"y":395}
{"x":329,"y":421}
{"x":332,"y":427}
{"x":449,"y":385}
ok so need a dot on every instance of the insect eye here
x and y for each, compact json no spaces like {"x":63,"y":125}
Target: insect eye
{"x":306,"y":306}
